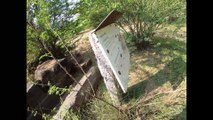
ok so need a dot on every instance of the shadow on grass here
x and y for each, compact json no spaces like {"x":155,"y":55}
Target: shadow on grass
{"x":173,"y":72}
{"x":161,"y":47}
{"x":161,"y":43}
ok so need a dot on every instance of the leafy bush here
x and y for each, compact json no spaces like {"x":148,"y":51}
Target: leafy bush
{"x":46,"y":21}
{"x":144,"y":17}
{"x":91,"y":13}
{"x":141,"y":18}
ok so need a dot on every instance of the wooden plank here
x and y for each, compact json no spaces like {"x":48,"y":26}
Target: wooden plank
{"x":109,"y":19}
{"x":76,"y":98}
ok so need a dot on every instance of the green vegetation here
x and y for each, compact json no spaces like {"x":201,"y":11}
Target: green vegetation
{"x":141,"y":18}
{"x":157,"y":78}
{"x":157,"y":85}
{"x":144,"y":17}
{"x":48,"y":20}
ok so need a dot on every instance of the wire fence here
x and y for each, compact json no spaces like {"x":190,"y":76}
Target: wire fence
{"x":93,"y":95}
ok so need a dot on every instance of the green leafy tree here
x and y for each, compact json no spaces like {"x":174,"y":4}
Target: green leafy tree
{"x":46,"y":21}
{"x":141,"y":18}
{"x":92,"y":12}
{"x":144,"y":17}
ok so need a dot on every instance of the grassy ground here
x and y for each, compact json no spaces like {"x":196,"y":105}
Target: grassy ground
{"x":157,"y":83}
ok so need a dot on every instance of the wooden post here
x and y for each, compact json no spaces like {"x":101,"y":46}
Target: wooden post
{"x":105,"y":70}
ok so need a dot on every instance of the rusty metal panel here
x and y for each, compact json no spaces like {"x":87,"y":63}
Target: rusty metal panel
{"x":109,"y":19}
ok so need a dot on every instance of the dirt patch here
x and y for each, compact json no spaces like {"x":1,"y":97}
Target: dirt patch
{"x":82,"y":45}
